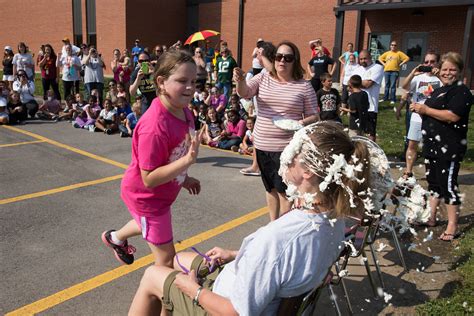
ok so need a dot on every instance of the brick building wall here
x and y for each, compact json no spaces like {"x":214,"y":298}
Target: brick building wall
{"x":35,"y":23}
{"x":110,"y":28}
{"x":444,"y":24}
{"x":298,"y":21}
{"x":155,"y":22}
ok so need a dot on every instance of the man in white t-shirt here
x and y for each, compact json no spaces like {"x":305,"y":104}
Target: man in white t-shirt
{"x":420,"y":82}
{"x":75,"y":50}
{"x":372,"y":75}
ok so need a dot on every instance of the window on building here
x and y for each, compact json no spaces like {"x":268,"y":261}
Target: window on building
{"x":378,"y":44}
{"x":77,"y":22}
{"x":91,"y":25}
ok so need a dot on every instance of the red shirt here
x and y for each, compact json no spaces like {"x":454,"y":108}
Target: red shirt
{"x":49,"y":70}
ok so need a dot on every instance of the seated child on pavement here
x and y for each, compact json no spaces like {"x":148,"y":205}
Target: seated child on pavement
{"x":50,"y":108}
{"x":131,"y":121}
{"x":234,"y":132}
{"x":86,"y":119}
{"x":3,"y":111}
{"x":212,"y":129}
{"x":246,"y":147}
{"x":107,"y":120}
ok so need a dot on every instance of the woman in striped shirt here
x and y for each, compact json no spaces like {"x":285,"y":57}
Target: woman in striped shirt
{"x":282,"y":93}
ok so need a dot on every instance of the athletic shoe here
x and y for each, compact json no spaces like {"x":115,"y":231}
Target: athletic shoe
{"x":381,"y":100}
{"x":234,"y":148}
{"x":91,"y":128}
{"x":108,"y":131}
{"x":123,"y":253}
{"x":74,"y":124}
{"x":392,"y":102}
{"x":249,"y":172}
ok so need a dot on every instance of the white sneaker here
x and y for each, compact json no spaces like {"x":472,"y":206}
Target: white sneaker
{"x":392,"y":102}
{"x":91,"y":128}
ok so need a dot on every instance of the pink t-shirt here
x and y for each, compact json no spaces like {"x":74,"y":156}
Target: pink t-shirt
{"x":238,"y":129}
{"x":275,"y":99}
{"x":158,"y":139}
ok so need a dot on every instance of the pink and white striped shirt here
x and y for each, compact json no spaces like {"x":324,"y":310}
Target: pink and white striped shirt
{"x":291,"y":100}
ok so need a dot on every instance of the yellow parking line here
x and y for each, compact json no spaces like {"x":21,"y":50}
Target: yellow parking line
{"x":22,"y":143}
{"x":73,"y":149}
{"x":58,"y":190}
{"x":109,"y":276}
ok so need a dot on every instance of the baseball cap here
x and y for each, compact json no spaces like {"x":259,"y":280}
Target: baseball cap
{"x":260,"y":40}
{"x":137,"y":40}
{"x":66,"y":39}
{"x":8,"y":48}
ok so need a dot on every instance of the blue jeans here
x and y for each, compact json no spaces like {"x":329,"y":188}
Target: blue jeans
{"x":390,"y":85}
{"x":228,"y":143}
{"x":227,"y":88}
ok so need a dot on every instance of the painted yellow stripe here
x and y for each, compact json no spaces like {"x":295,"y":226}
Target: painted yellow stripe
{"x":58,"y":190}
{"x":88,"y":285}
{"x":227,"y":151}
{"x":22,"y":143}
{"x":73,"y":149}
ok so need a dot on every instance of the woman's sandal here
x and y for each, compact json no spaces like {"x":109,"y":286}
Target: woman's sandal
{"x":448,"y":237}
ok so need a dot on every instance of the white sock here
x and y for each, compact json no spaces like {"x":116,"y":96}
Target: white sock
{"x":115,"y":240}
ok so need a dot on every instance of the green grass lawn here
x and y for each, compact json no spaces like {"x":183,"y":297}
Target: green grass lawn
{"x":462,"y":300}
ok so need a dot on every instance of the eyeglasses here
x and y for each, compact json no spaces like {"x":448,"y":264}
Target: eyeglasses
{"x":289,"y":58}
{"x":158,"y":51}
{"x":112,"y":85}
{"x":430,"y":61}
{"x":143,"y":60}
{"x":198,"y":52}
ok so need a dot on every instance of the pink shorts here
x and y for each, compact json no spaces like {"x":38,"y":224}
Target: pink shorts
{"x":155,"y":229}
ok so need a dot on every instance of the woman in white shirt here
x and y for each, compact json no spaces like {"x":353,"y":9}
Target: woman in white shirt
{"x":26,"y":89}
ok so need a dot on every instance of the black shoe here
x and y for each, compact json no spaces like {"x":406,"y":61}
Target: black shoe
{"x":123,"y":253}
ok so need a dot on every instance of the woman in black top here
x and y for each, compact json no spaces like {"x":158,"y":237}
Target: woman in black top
{"x":8,"y":66}
{"x":445,"y":121}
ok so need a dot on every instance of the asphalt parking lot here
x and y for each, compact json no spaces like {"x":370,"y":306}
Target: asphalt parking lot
{"x":60,"y":189}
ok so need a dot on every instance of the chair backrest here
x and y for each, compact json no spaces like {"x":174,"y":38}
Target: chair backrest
{"x":303,"y":304}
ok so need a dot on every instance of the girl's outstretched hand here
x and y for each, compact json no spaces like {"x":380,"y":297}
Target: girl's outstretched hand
{"x":194,"y":148}
{"x":193,"y":185}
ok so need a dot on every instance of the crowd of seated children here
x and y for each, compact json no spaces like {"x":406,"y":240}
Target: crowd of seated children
{"x":126,"y":130}
{"x":234,"y":132}
{"x":51,"y":107}
{"x":213,"y":128}
{"x":107,"y":119}
{"x":246,"y":147}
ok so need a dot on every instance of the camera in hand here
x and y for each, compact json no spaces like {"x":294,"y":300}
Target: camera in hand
{"x":425,"y":69}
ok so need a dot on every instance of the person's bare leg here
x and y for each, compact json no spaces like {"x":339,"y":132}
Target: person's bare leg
{"x":434,"y":206}
{"x":186,"y":259}
{"x":273,"y":204}
{"x":411,"y":155}
{"x":284,"y":203}
{"x":130,"y":229}
{"x":163,"y":254}
{"x":453,"y":215}
{"x":146,"y":300}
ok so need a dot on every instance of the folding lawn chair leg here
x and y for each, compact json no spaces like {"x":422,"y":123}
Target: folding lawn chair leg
{"x":346,"y":294}
{"x":333,"y":298}
{"x":369,"y":274}
{"x":377,"y":266}
{"x":344,"y":288}
{"x":398,"y":248}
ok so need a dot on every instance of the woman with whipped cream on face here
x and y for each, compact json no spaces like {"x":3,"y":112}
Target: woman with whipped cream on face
{"x":327,"y":183}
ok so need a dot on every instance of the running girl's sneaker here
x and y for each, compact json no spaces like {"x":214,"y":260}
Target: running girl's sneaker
{"x":123,"y":253}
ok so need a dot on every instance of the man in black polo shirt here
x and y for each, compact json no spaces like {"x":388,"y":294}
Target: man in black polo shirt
{"x":142,"y":82}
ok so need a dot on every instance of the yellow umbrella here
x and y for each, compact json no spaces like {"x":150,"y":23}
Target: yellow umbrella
{"x":201,"y":35}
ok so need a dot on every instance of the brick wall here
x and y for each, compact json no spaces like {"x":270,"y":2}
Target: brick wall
{"x":444,"y":24}
{"x":298,"y":21}
{"x":110,"y":28}
{"x":35,"y":23}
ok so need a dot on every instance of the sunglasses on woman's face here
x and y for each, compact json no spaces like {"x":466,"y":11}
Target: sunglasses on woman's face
{"x":289,"y":58}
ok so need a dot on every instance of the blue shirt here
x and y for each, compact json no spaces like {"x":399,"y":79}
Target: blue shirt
{"x":132,"y":120}
{"x":136,"y":51}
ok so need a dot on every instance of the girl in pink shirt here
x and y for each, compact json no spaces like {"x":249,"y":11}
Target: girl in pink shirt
{"x":164,"y":146}
{"x":234,"y":132}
